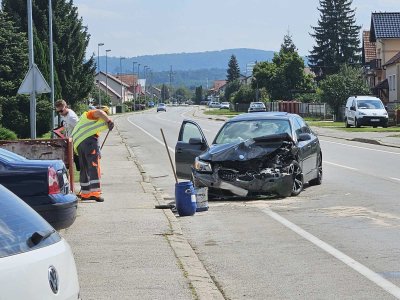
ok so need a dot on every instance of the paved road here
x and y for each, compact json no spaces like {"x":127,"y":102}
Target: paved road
{"x":338,"y":240}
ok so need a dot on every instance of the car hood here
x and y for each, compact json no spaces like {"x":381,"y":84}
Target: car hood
{"x":246,"y":150}
{"x":373,"y":112}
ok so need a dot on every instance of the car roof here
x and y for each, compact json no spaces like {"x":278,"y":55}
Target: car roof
{"x":262,"y":115}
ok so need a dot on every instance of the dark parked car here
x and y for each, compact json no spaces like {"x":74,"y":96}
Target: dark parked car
{"x":42,"y":184}
{"x":255,"y":153}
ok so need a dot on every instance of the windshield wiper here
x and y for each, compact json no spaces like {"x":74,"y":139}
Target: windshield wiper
{"x":38,"y":236}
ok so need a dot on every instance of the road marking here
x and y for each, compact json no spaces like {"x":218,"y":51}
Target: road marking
{"x":152,"y":136}
{"x":355,"y":265}
{"x":359,"y":147}
{"x":394,"y":178}
{"x":337,"y":165}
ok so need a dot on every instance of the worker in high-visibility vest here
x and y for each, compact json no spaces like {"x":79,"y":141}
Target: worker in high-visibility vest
{"x":85,"y":139}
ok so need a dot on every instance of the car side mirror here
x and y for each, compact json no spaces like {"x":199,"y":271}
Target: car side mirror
{"x":304,"y":137}
{"x":353,"y":108}
{"x":196,"y":141}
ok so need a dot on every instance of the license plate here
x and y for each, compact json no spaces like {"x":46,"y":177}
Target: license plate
{"x":374,"y":120}
{"x":65,"y":178}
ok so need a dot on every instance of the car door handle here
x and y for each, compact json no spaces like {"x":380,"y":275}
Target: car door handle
{"x":178,"y":150}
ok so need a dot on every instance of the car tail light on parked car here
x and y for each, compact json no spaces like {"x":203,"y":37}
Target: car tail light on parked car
{"x":54,"y":185}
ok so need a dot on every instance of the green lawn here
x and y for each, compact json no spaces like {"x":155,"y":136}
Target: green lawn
{"x":220,"y":112}
{"x":340,"y":126}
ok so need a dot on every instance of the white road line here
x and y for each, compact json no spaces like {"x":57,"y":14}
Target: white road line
{"x":394,"y":178}
{"x":152,"y":136}
{"x":359,"y":147}
{"x":337,"y":165}
{"x":363,"y":270}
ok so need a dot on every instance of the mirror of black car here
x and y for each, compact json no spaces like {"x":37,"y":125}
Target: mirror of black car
{"x":353,"y":108}
{"x":304,"y":137}
{"x":195,"y":141}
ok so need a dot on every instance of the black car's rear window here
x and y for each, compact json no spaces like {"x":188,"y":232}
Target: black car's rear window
{"x":18,"y":222}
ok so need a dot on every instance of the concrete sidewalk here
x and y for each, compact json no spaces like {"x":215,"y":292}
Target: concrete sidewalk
{"x":125,"y":248}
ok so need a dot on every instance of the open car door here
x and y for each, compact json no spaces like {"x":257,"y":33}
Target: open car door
{"x":191,"y":143}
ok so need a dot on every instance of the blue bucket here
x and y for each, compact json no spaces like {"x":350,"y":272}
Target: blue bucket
{"x":185,"y":198}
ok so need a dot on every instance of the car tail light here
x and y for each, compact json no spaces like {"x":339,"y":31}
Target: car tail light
{"x":54,"y":185}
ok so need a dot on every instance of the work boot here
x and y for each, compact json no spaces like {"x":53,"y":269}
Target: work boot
{"x":97,"y":199}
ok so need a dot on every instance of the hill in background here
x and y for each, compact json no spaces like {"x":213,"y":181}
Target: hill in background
{"x":188,"y":69}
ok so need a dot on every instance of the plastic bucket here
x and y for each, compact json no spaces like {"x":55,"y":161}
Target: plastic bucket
{"x":201,"y":198}
{"x":185,"y":198}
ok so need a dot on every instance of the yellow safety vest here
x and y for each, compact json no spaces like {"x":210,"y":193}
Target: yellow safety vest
{"x":86,"y":128}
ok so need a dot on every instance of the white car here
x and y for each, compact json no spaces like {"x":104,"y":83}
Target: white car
{"x":224,"y":105}
{"x":214,"y":104}
{"x":365,"y":110}
{"x":36,"y":263}
{"x":256,"y":107}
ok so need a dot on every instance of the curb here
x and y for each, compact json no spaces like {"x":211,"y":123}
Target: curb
{"x":200,"y":282}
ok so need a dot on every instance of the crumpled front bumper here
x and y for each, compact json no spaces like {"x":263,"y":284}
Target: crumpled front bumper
{"x":281,"y":185}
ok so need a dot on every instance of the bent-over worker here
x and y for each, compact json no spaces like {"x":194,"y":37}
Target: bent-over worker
{"x":85,"y":137}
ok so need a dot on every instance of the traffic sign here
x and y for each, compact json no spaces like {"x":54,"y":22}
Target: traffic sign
{"x":34,"y":76}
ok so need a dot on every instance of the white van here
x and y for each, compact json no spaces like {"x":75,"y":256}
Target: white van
{"x":365,"y":110}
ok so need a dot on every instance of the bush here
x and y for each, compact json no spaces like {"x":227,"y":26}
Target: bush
{"x":7,"y":134}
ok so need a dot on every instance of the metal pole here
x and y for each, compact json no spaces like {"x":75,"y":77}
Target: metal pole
{"x":32,"y":106}
{"x":133,"y":83}
{"x":51,"y":64}
{"x":138,"y":76}
{"x":145,"y":77}
{"x":108,"y":50}
{"x":120,"y":77}
{"x":98,"y":67}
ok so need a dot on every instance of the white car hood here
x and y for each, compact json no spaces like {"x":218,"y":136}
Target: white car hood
{"x":373,"y":112}
{"x":25,"y":275}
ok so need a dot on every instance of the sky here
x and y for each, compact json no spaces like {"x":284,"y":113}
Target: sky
{"x":132,"y":28}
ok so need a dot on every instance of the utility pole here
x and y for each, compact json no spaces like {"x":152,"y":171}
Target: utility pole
{"x":170,"y":83}
{"x":134,"y":84}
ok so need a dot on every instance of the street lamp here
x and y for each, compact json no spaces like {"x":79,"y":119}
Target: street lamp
{"x":98,"y":68}
{"x":134,"y":84}
{"x":144,"y":75}
{"x":108,"y":50}
{"x":138,"y":74}
{"x":120,"y":76}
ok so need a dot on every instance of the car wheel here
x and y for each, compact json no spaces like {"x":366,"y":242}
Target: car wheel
{"x":356,"y":123}
{"x":318,"y":180}
{"x":298,"y":181}
{"x":347,"y":124}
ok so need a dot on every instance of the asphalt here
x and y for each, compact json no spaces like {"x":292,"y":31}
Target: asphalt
{"x":126,"y":248}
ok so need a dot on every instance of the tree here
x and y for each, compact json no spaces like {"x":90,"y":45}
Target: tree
{"x":336,"y":88}
{"x":74,"y":74}
{"x":198,"y":94}
{"x":164,"y":93}
{"x":182,"y":93}
{"x":231,"y":88}
{"x":336,"y":36}
{"x":245,"y":94}
{"x":288,"y":46}
{"x":13,"y":66}
{"x":233,"y":72}
{"x":284,"y":76}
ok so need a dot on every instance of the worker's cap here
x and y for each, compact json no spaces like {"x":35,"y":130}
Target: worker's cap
{"x":106,"y":109}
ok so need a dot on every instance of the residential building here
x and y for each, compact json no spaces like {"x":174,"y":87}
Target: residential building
{"x":385,"y":33}
{"x":116,"y":89}
{"x":393,"y":75}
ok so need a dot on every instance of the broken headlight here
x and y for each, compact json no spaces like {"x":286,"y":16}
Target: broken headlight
{"x":202,"y":166}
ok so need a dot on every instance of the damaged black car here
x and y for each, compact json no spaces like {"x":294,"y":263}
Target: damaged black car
{"x":265,"y":153}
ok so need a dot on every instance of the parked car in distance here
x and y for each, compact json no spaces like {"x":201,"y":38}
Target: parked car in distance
{"x":365,"y":110}
{"x":214,"y":104}
{"x":266,"y":153}
{"x":42,"y":184}
{"x":35,"y":261}
{"x":224,"y":105}
{"x":150,"y":104}
{"x":161,"y":107}
{"x":256,"y":107}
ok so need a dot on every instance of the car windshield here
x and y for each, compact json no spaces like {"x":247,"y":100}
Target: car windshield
{"x":21,"y":228}
{"x":369,"y":104}
{"x":257,"y":104}
{"x":233,"y":132}
{"x":161,"y":104}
